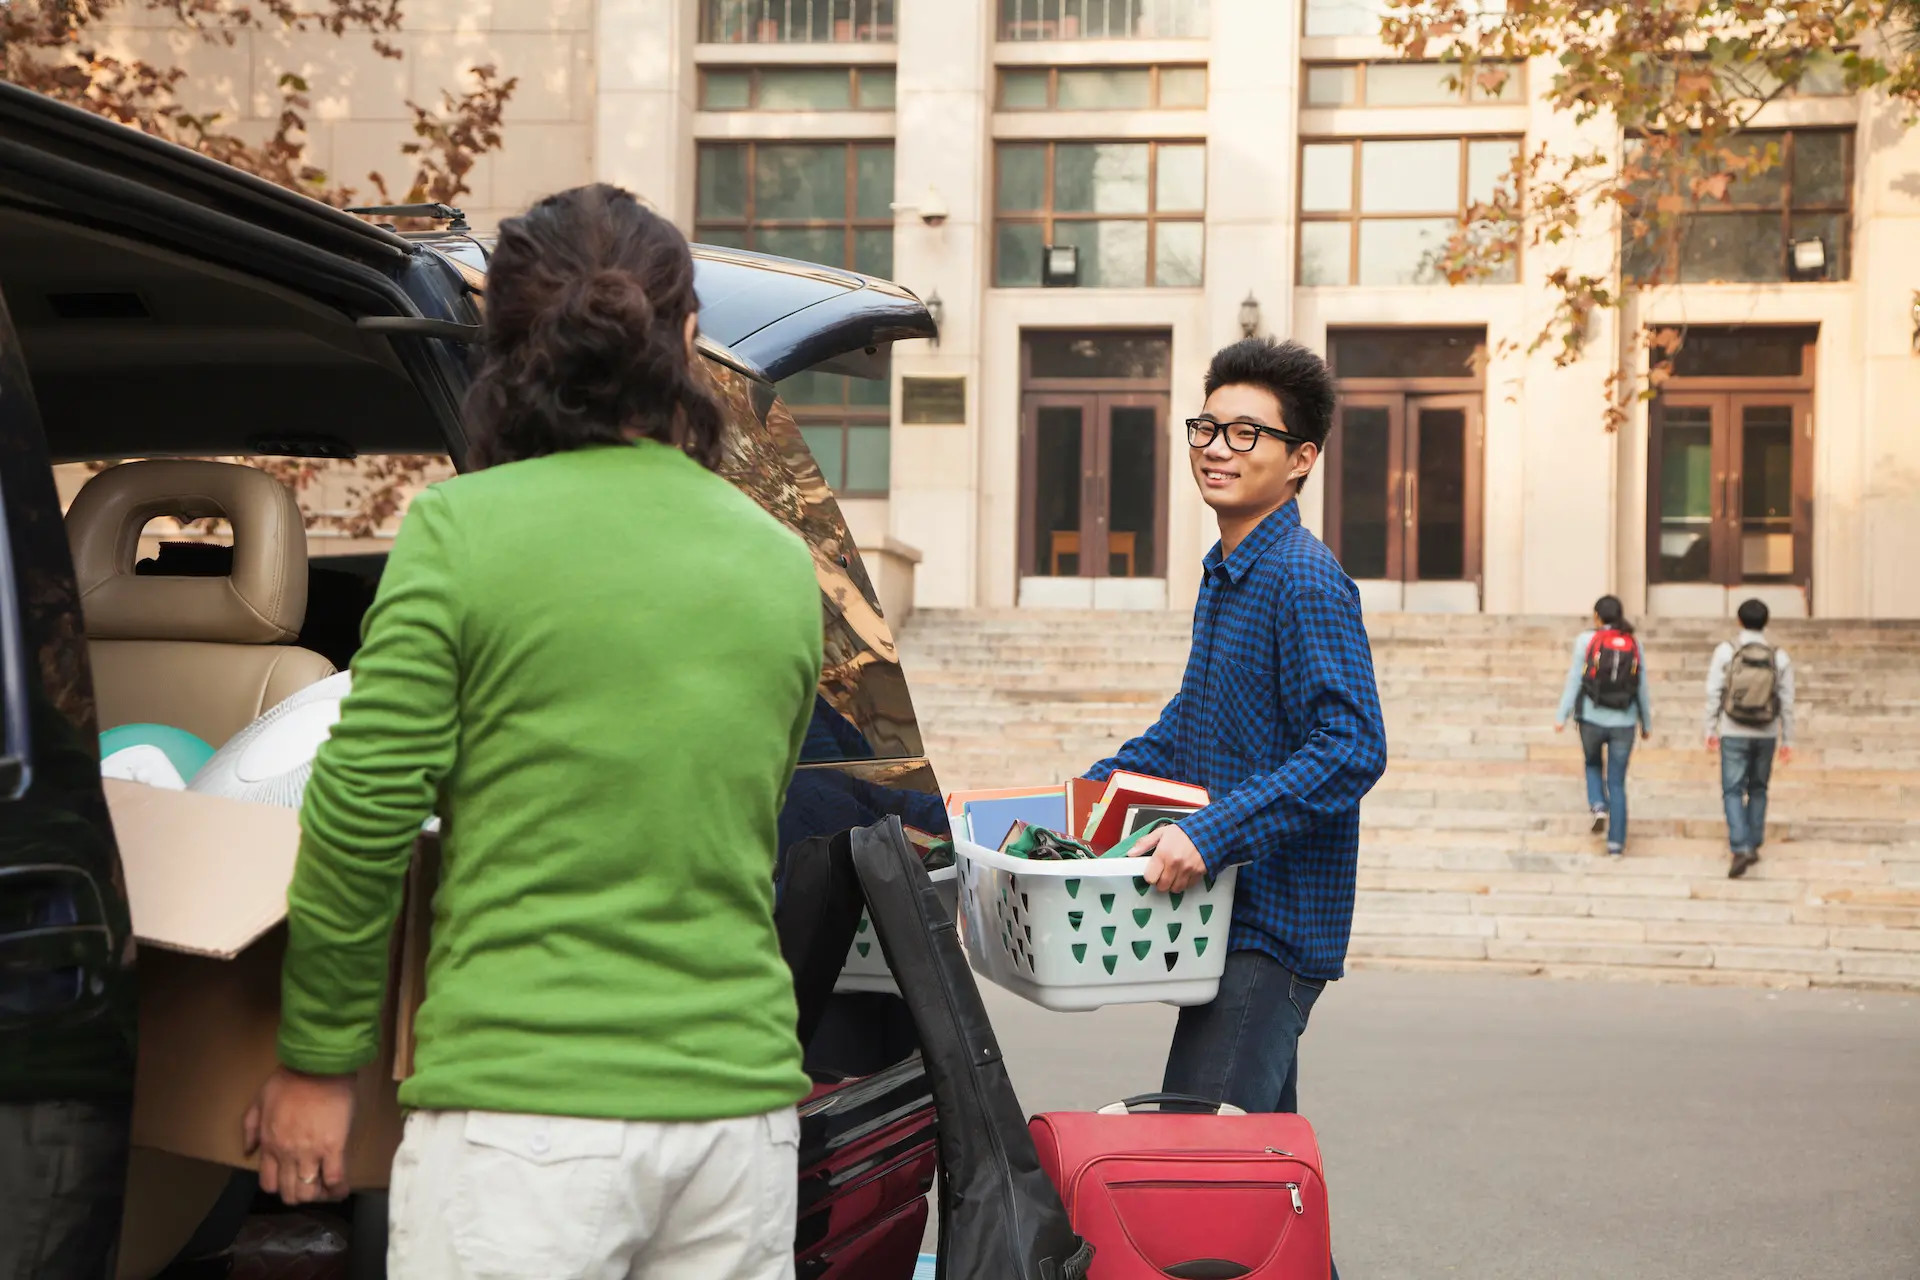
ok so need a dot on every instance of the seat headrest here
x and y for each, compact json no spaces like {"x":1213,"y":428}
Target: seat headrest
{"x":263,"y":602}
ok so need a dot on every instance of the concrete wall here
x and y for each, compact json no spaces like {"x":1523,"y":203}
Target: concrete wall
{"x":942,"y":113}
{"x":360,"y":118}
{"x":643,"y":109}
{"x":1885,"y":498}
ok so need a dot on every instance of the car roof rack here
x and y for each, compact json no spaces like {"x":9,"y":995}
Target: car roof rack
{"x":456,"y":220}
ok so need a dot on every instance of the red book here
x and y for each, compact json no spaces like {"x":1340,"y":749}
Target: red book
{"x":1082,"y":795}
{"x":1124,"y":790}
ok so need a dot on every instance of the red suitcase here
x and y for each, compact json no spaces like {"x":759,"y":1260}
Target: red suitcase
{"x":1227,"y":1196}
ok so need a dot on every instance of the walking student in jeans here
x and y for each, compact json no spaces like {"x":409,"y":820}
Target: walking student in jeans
{"x":1607,"y":694}
{"x":599,"y":657}
{"x":1749,"y":710}
{"x":1278,"y":717}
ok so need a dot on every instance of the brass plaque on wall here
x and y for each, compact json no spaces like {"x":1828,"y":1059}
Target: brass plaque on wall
{"x":933,"y":400}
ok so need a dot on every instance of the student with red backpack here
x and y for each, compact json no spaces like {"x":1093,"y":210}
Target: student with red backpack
{"x":1606,"y":692}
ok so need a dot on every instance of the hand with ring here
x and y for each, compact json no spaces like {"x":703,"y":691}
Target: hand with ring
{"x":298,"y":1126}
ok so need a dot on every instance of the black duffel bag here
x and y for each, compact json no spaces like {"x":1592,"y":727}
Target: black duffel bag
{"x":1000,"y":1218}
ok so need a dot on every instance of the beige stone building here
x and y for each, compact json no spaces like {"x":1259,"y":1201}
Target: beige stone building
{"x":1217,"y":166}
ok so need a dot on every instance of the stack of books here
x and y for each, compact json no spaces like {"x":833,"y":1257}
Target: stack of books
{"x":1098,"y":815}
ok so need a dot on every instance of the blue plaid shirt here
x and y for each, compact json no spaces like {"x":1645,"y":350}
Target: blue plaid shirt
{"x":1278,"y":718}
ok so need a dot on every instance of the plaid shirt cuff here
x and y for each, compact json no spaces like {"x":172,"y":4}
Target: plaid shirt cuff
{"x":1213,"y":838}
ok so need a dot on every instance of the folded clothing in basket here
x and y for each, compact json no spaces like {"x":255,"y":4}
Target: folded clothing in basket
{"x":1037,"y":844}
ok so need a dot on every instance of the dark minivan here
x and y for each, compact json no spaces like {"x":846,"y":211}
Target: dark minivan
{"x":156,"y":304}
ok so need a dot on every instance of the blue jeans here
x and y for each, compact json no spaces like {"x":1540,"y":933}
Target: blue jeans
{"x":1244,"y":1048}
{"x":1608,"y":790}
{"x":1746,"y":766}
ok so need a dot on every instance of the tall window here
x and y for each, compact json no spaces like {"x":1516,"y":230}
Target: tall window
{"x":1379,"y":211}
{"x":1133,"y":209}
{"x":797,"y":89}
{"x":1750,"y":236}
{"x":827,"y":202}
{"x":845,"y":423}
{"x":796,"y":21}
{"x":1102,"y":88}
{"x":1102,"y":19}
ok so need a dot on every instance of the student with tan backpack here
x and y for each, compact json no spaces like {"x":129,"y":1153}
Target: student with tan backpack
{"x":1749,"y":710}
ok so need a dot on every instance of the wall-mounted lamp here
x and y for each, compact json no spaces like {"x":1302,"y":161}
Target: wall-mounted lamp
{"x":1060,"y":266}
{"x":1250,"y":315}
{"x":932,"y":209}
{"x":937,"y":310}
{"x":1808,"y":258}
{"x":1914,"y":311}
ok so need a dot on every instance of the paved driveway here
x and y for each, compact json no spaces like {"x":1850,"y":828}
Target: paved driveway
{"x":1526,"y":1129}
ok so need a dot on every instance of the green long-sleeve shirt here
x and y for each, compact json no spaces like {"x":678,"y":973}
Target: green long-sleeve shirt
{"x":598,"y":668}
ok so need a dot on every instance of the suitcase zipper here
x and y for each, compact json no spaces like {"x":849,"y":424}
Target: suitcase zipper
{"x":1086,"y":1170}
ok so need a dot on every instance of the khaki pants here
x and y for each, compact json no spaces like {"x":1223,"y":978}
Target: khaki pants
{"x":481,"y":1195}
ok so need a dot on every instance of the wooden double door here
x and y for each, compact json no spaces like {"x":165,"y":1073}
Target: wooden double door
{"x":1403,"y":479}
{"x":1094,"y":467}
{"x":1730,"y":481}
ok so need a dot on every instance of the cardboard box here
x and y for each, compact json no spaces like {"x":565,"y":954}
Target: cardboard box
{"x":207,"y":884}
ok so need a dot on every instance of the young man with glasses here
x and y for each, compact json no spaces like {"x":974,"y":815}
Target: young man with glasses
{"x":1278,"y":717}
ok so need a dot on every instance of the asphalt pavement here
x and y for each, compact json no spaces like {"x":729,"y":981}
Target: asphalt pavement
{"x":1508,"y":1128}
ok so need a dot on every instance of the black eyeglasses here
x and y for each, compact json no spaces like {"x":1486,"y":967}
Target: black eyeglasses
{"x":1241,"y":436}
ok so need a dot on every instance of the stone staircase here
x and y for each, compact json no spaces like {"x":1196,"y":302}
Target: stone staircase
{"x":1475,"y":849}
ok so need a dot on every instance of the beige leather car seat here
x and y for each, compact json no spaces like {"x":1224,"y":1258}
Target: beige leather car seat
{"x":207,"y":655}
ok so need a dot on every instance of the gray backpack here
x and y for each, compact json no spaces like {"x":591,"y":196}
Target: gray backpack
{"x":1752,"y":697}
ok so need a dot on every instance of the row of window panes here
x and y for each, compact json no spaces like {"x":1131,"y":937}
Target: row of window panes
{"x":1102,"y":19}
{"x":798,"y":89}
{"x":1380,"y":211}
{"x":820,"y":202}
{"x":1824,"y":75}
{"x":1411,"y":84}
{"x":1111,"y":200}
{"x":1102,"y":88}
{"x":796,"y":21}
{"x":1747,"y":237}
{"x":1363,"y":17}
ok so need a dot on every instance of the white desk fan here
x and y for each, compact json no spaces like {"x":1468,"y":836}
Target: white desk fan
{"x":270,"y":760}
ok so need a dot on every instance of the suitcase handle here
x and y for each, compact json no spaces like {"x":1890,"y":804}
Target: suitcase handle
{"x":1139,"y":1101}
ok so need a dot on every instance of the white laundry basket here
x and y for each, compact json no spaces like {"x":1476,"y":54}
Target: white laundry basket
{"x":866,"y":968}
{"x":1079,"y":935}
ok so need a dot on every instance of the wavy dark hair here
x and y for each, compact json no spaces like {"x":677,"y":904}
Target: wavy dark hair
{"x":1612,"y":614}
{"x":588,"y":295}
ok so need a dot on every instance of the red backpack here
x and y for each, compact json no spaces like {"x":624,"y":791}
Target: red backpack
{"x":1612,"y":677}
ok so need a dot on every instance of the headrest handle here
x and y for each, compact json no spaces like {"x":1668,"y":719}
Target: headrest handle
{"x":263,"y":602}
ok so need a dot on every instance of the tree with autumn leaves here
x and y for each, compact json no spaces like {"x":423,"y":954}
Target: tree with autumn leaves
{"x":55,"y":47}
{"x":1683,"y":83}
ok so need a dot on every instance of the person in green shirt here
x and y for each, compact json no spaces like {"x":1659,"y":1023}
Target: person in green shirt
{"x":595,"y":659}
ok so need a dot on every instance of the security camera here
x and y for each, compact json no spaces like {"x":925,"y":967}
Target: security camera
{"x":932,"y":209}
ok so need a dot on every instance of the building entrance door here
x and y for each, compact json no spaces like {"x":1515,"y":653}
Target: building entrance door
{"x":1730,"y":473}
{"x":1403,"y":470}
{"x":1094,"y":471}
{"x":1403,"y":487}
{"x":1096,"y":465}
{"x":1732,"y":482}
